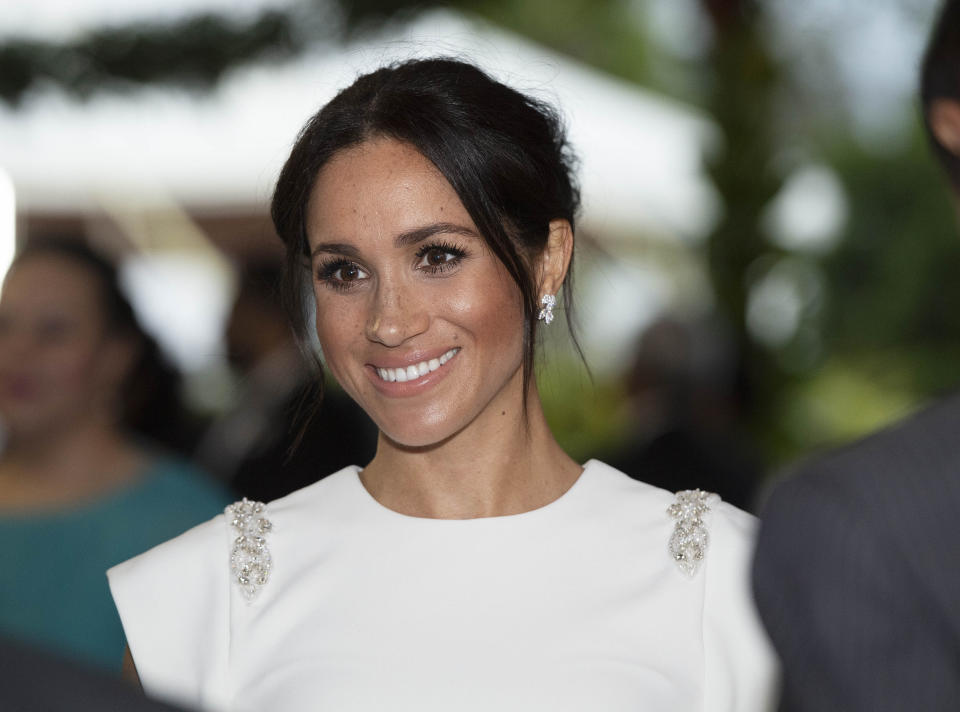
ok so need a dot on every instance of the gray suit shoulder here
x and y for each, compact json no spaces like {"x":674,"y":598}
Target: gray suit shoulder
{"x":926,"y":443}
{"x":883,"y":509}
{"x":850,"y":571}
{"x":909,"y":467}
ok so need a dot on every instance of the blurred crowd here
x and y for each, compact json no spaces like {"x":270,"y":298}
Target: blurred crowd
{"x":101,"y":458}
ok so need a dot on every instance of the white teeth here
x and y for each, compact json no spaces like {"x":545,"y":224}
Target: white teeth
{"x":411,"y":373}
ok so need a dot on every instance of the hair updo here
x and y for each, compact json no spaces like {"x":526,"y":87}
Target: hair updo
{"x":505,"y":154}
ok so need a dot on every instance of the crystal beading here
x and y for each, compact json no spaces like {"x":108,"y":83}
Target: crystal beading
{"x":250,"y":561}
{"x":548,"y":301}
{"x":688,"y":544}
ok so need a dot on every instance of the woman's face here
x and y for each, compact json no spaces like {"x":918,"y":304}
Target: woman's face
{"x":418,"y":321}
{"x":57,"y":365}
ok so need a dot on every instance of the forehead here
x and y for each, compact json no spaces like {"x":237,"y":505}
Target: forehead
{"x":49,"y":282}
{"x":382,"y":186}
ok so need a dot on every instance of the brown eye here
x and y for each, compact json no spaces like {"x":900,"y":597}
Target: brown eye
{"x":436,"y":257}
{"x":339,"y":274}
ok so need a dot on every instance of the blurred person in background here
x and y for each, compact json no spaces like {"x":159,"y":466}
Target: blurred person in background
{"x":85,"y":481}
{"x":471,"y":564}
{"x":264,"y":446}
{"x":856,"y":573}
{"x":33,"y":680}
{"x":684,"y":402}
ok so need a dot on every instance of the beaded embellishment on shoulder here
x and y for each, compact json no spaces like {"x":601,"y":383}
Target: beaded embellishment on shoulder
{"x":688,"y":544}
{"x":250,"y":561}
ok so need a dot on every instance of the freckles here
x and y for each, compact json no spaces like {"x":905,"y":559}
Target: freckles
{"x":435,"y":415}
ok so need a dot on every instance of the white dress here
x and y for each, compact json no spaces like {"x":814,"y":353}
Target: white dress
{"x":579,"y":605}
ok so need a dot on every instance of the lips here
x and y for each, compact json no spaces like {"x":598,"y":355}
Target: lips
{"x":403,"y":374}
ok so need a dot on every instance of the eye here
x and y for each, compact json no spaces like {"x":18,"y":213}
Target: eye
{"x":436,"y":257}
{"x":348,"y":273}
{"x":439,"y":257}
{"x":340,"y":274}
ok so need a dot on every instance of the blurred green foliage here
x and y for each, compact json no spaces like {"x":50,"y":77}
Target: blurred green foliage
{"x":893,"y":277}
{"x":587,"y":416}
{"x":890,"y":323}
{"x":193,"y":52}
{"x":883,"y":335}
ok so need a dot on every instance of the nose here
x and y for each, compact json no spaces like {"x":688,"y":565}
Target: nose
{"x":395,"y":315}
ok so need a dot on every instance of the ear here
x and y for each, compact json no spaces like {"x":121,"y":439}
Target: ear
{"x":944,"y":116}
{"x":555,"y":258}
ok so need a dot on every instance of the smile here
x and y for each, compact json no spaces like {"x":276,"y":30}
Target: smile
{"x":415,"y":371}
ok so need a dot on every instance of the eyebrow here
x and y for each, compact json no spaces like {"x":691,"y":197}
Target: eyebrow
{"x":404,"y":239}
{"x":412,"y":237}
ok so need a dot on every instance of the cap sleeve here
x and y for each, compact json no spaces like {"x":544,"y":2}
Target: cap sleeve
{"x":174,"y":602}
{"x":740,"y":665}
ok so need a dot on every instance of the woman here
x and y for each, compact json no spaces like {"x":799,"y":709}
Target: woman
{"x":471,"y":565}
{"x":80,"y":489}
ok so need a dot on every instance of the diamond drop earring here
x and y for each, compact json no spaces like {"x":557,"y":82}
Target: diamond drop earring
{"x":549,"y":302}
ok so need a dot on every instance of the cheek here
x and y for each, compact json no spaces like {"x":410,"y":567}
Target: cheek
{"x":76,"y":367}
{"x":338,"y":326}
{"x":493,"y":310}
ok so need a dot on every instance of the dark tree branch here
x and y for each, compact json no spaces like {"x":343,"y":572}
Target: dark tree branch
{"x":192,"y":53}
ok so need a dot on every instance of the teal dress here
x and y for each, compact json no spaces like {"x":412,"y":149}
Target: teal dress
{"x":53,"y":587}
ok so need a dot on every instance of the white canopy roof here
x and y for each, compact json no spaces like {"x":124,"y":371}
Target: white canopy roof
{"x":641,"y":154}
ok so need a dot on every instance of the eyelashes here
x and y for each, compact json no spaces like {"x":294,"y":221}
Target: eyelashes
{"x":433,"y":259}
{"x":339,"y":273}
{"x":449,"y":255}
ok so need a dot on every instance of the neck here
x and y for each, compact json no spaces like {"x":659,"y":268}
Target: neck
{"x":73,"y":463}
{"x":506,"y":463}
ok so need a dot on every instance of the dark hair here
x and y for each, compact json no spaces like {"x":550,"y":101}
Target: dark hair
{"x":504,"y":153}
{"x":151,"y":405}
{"x":259,"y":280}
{"x":940,"y":78}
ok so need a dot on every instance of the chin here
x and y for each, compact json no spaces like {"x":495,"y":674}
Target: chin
{"x":415,"y":438}
{"x":419,"y":433}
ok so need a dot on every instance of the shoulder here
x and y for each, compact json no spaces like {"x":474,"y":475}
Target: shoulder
{"x":691,"y":523}
{"x":924,"y":444}
{"x":323,"y":499}
{"x":173,"y":604}
{"x":618,"y":489}
{"x":706,"y":546}
{"x":212,"y":537}
{"x":741,"y":669}
{"x":655,"y":501}
{"x":877,"y":482}
{"x":186,"y":551}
